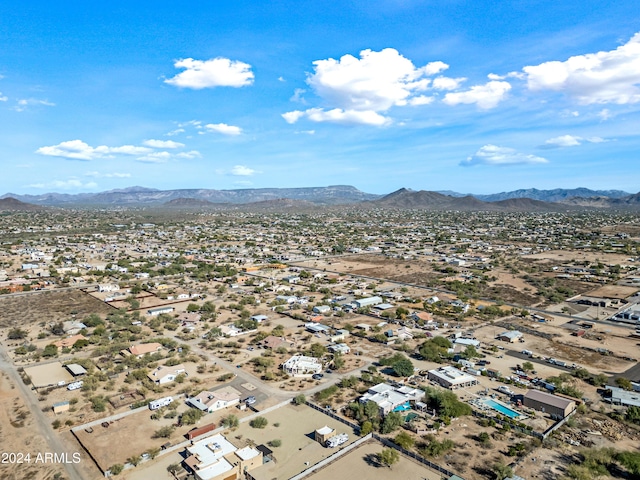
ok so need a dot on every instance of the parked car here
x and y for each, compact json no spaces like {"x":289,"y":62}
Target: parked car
{"x":250,"y":400}
{"x":317,"y":376}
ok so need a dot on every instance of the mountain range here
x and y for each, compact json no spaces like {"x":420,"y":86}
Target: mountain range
{"x":267,"y":199}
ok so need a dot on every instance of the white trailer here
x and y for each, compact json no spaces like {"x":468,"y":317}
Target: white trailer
{"x":161,"y":402}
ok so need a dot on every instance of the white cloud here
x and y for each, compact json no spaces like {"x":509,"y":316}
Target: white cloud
{"x":79,"y":150}
{"x":519,"y":75}
{"x":175,"y":132}
{"x":155,"y":157}
{"x":421,"y":100}
{"x":3,"y":98}
{"x":433,"y":68}
{"x":24,"y":103}
{"x":189,"y":155}
{"x":306,"y":132}
{"x":293,"y":117}
{"x":374,"y":82}
{"x":216,"y":72}
{"x":495,"y":155}
{"x":75,"y":149}
{"x":447,"y":83}
{"x":337,"y":115}
{"x":605,"y":114}
{"x":603,"y":77}
{"x":129,"y":150}
{"x":107,"y":175}
{"x":485,"y":96}
{"x":162,"y":144}
{"x":564,"y":141}
{"x":570,"y":141}
{"x":297,"y":95}
{"x":223,"y":128}
{"x":70,"y":184}
{"x":242,"y":171}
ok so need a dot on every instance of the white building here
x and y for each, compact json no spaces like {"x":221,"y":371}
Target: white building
{"x":164,"y":374}
{"x":368,"y":302}
{"x":211,"y":401}
{"x":216,"y":458}
{"x":451,"y":378}
{"x":302,"y":365}
{"x":389,"y":398}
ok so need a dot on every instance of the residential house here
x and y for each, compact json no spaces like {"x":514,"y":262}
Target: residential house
{"x":272,"y":342}
{"x":143,"y":349}
{"x":164,"y":374}
{"x":390,"y":398}
{"x":301,"y":365}
{"x":215,"y":458}
{"x":218,"y":399}
{"x":69,"y":342}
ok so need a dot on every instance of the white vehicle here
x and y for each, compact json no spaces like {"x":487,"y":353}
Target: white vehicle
{"x":337,"y":440}
{"x":505,"y":389}
{"x":161,"y":402}
{"x":74,"y":385}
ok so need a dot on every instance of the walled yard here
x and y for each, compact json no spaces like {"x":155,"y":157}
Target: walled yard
{"x":361,"y":463}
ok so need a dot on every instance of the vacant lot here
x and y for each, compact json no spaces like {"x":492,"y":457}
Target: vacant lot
{"x":296,"y":427}
{"x":18,"y":434}
{"x":49,"y":307}
{"x":361,"y":463}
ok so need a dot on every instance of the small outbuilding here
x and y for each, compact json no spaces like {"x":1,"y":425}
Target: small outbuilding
{"x":323,"y":434}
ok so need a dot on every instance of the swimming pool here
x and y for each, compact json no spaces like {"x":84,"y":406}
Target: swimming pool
{"x":503,"y":409}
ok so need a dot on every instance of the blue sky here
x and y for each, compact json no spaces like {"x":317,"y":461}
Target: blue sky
{"x":472,"y":96}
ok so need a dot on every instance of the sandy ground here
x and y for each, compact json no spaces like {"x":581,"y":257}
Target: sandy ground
{"x":295,"y":428}
{"x":16,"y":436}
{"x":357,"y":464}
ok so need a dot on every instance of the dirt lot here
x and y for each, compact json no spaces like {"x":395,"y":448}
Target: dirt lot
{"x":296,"y":426}
{"x":16,"y":435}
{"x":49,"y":307}
{"x":360,"y":463}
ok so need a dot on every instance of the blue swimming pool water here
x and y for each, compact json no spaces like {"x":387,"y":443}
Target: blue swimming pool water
{"x":501,"y":408}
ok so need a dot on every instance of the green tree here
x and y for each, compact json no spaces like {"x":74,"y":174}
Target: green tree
{"x":259,"y":422}
{"x":134,"y":460}
{"x":164,"y":432}
{"x":230,"y":421}
{"x":317,"y":350}
{"x":528,"y":366}
{"x":17,"y":334}
{"x":403,"y":367}
{"x":502,"y":471}
{"x":299,"y":399}
{"x":624,"y":383}
{"x":392,"y":421}
{"x":116,"y":469}
{"x":50,"y":351}
{"x":404,"y":440}
{"x":388,"y":457}
{"x":367,"y":428}
{"x":192,"y":416}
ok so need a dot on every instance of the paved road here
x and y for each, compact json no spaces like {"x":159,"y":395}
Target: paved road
{"x":527,"y":358}
{"x":42,"y":422}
